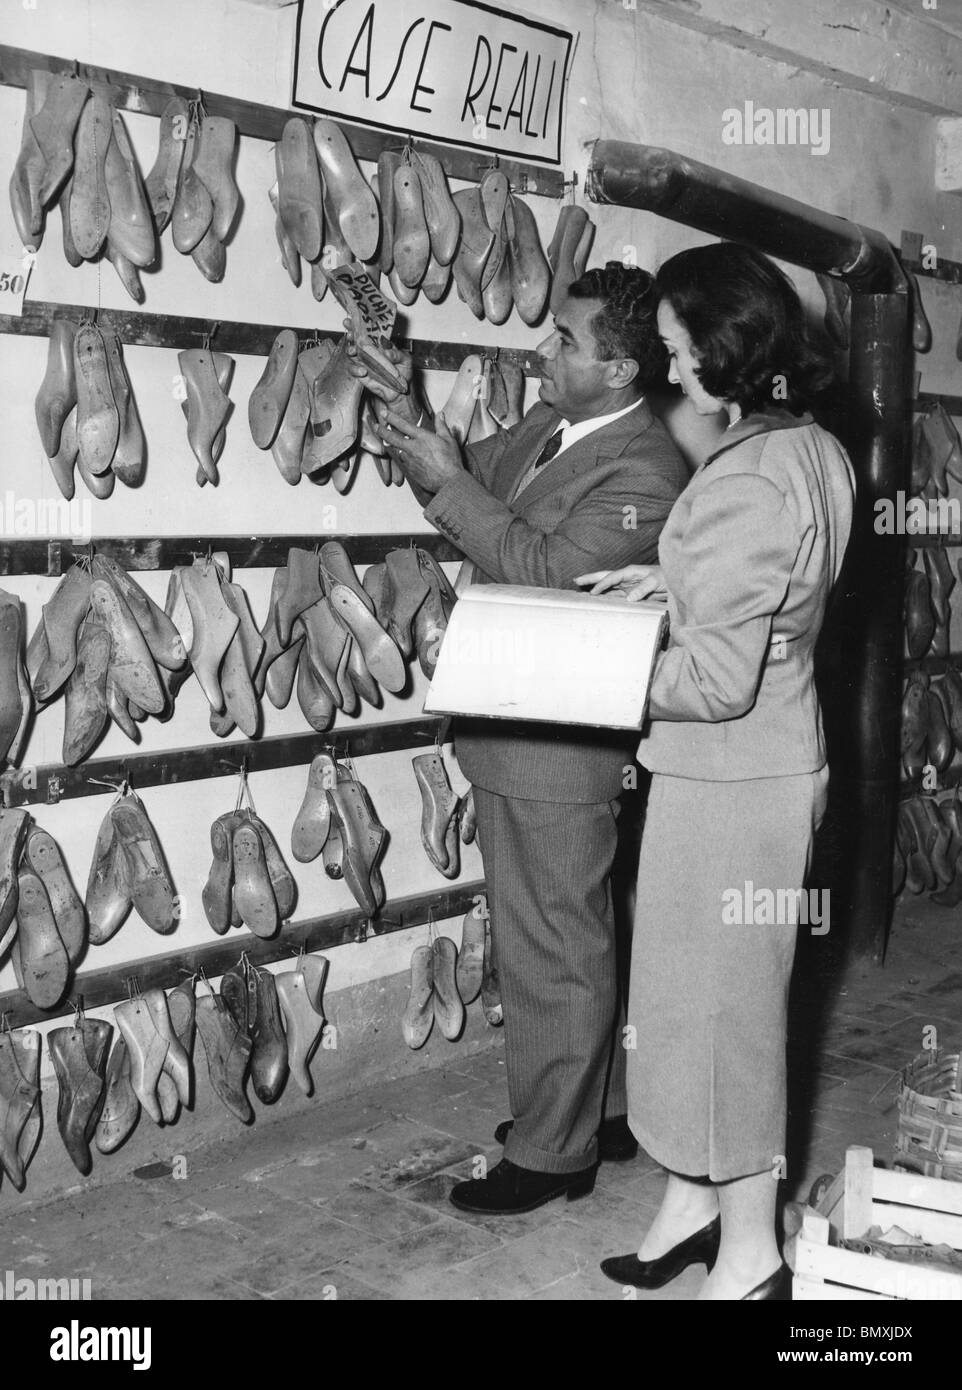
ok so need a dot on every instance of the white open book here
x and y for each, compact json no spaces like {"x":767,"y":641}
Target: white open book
{"x":557,"y":655}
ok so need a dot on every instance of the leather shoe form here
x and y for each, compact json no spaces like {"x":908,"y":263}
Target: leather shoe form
{"x":58,"y":390}
{"x":335,"y":412}
{"x":287,"y":446}
{"x":176,"y":1064}
{"x":313,"y":822}
{"x":380,"y":653}
{"x":470,"y":967}
{"x":148,"y":1051}
{"x":193,"y":206}
{"x":299,"y":192}
{"x":313,"y":696}
{"x":15,"y":701}
{"x":108,"y":901}
{"x":131,"y":663}
{"x":253,"y":894}
{"x":161,"y":183}
{"x":181,"y":1008}
{"x":573,"y":232}
{"x":216,"y":894}
{"x":448,"y":1008}
{"x":440,"y":211}
{"x":270,"y":397}
{"x":44,"y":962}
{"x":346,"y":190}
{"x":439,"y":808}
{"x":30,"y":170}
{"x":509,"y":1189}
{"x":207,"y":406}
{"x":14,"y":828}
{"x":406,"y":591}
{"x":468,"y":818}
{"x":121,"y":1108}
{"x":89,"y":199}
{"x":363,"y":840}
{"x":282,"y":673}
{"x":411,"y":239}
{"x":131,"y":222}
{"x":42,"y":855}
{"x":418,"y":1017}
{"x":150,"y":883}
{"x":530,"y":274}
{"x":490,"y":985}
{"x":269,"y":1061}
{"x":214,"y":625}
{"x":228,"y":1051}
{"x":474,"y":249}
{"x":98,"y":420}
{"x":298,"y":993}
{"x":164,"y":642}
{"x":290,"y":258}
{"x":282,"y":880}
{"x":130,"y":456}
{"x":19,"y":1102}
{"x":79,"y":1056}
{"x":302,"y":589}
{"x":699,"y":1248}
{"x":213,"y":165}
{"x":63,"y":613}
{"x":85,"y":708}
{"x":64,"y":461}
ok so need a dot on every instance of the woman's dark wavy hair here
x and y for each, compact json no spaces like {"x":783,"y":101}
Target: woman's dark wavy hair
{"x":626,"y":325}
{"x":747,"y":327}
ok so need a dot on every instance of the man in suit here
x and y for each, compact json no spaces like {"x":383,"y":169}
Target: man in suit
{"x":585,"y":480}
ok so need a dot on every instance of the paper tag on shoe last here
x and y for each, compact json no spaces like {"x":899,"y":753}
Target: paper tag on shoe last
{"x":14,"y":279}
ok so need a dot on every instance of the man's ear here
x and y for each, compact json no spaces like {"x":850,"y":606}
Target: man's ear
{"x":622,"y":371}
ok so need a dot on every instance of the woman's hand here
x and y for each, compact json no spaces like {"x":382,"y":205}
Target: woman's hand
{"x":635,"y":582}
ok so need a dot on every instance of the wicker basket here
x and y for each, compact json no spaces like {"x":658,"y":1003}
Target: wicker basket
{"x":929,"y":1136}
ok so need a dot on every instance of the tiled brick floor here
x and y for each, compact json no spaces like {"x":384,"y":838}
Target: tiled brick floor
{"x":350,"y":1200}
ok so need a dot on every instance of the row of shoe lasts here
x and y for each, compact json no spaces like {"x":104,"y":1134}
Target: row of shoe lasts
{"x":249,"y":883}
{"x":926,"y":612}
{"x":322,"y":631}
{"x":191,"y":185}
{"x":420,"y":225}
{"x":444,"y":980}
{"x":322,"y":205}
{"x":20,"y":1114}
{"x":337,"y":819}
{"x":928,"y":848}
{"x":445,"y":816}
{"x":75,"y":145}
{"x":223,"y":644}
{"x":312,"y":414}
{"x":936,"y":453}
{"x":931,"y":732}
{"x":16,"y":702}
{"x":129,"y":870}
{"x":487,"y":396}
{"x":105,"y":641}
{"x":500,"y":262}
{"x":86,"y":412}
{"x":43,"y":923}
{"x":412,"y":600}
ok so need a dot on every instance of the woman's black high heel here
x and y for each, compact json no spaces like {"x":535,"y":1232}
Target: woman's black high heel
{"x":700,"y":1248}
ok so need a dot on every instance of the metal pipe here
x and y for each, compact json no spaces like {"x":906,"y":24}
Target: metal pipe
{"x":860,"y":660}
{"x":710,"y":200}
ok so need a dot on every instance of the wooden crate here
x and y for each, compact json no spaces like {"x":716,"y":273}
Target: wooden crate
{"x":862,"y":1196}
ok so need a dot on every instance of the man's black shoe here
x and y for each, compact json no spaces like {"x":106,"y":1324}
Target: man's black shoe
{"x":616,"y":1143}
{"x":509,"y":1189}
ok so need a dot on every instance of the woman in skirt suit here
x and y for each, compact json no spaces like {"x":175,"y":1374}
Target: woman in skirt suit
{"x":748,"y":557}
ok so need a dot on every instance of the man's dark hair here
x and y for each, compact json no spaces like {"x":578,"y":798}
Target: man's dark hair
{"x":626,"y":324}
{"x":747,"y":327}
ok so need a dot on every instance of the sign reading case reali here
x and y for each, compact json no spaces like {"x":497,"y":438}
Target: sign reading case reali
{"x":455,"y":71}
{"x":553,"y":655}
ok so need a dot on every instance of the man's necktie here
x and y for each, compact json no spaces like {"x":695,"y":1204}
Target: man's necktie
{"x":549,"y":450}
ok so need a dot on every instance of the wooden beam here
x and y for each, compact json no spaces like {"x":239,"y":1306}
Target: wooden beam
{"x":245,"y":552}
{"x":133,"y":92}
{"x":53,"y":782}
{"x":134,"y":326}
{"x":96,"y":988}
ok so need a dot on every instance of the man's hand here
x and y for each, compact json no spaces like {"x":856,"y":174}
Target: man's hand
{"x":428,"y":458}
{"x":397,"y":361}
{"x":636,"y":582}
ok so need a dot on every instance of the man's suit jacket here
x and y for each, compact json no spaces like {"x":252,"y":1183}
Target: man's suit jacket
{"x":750,"y":554}
{"x":599,"y":505}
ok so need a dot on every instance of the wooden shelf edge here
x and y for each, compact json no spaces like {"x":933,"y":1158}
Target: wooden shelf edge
{"x":108,"y":986}
{"x":52,"y":783}
{"x":137,"y":328}
{"x":52,"y":557}
{"x":148,"y":95}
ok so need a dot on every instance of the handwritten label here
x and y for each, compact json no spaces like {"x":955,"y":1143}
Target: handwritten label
{"x":456,"y":71}
{"x":372,"y":313}
{"x":14,"y":279}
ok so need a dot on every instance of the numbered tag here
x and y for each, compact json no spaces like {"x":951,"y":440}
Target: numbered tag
{"x":14,"y":279}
